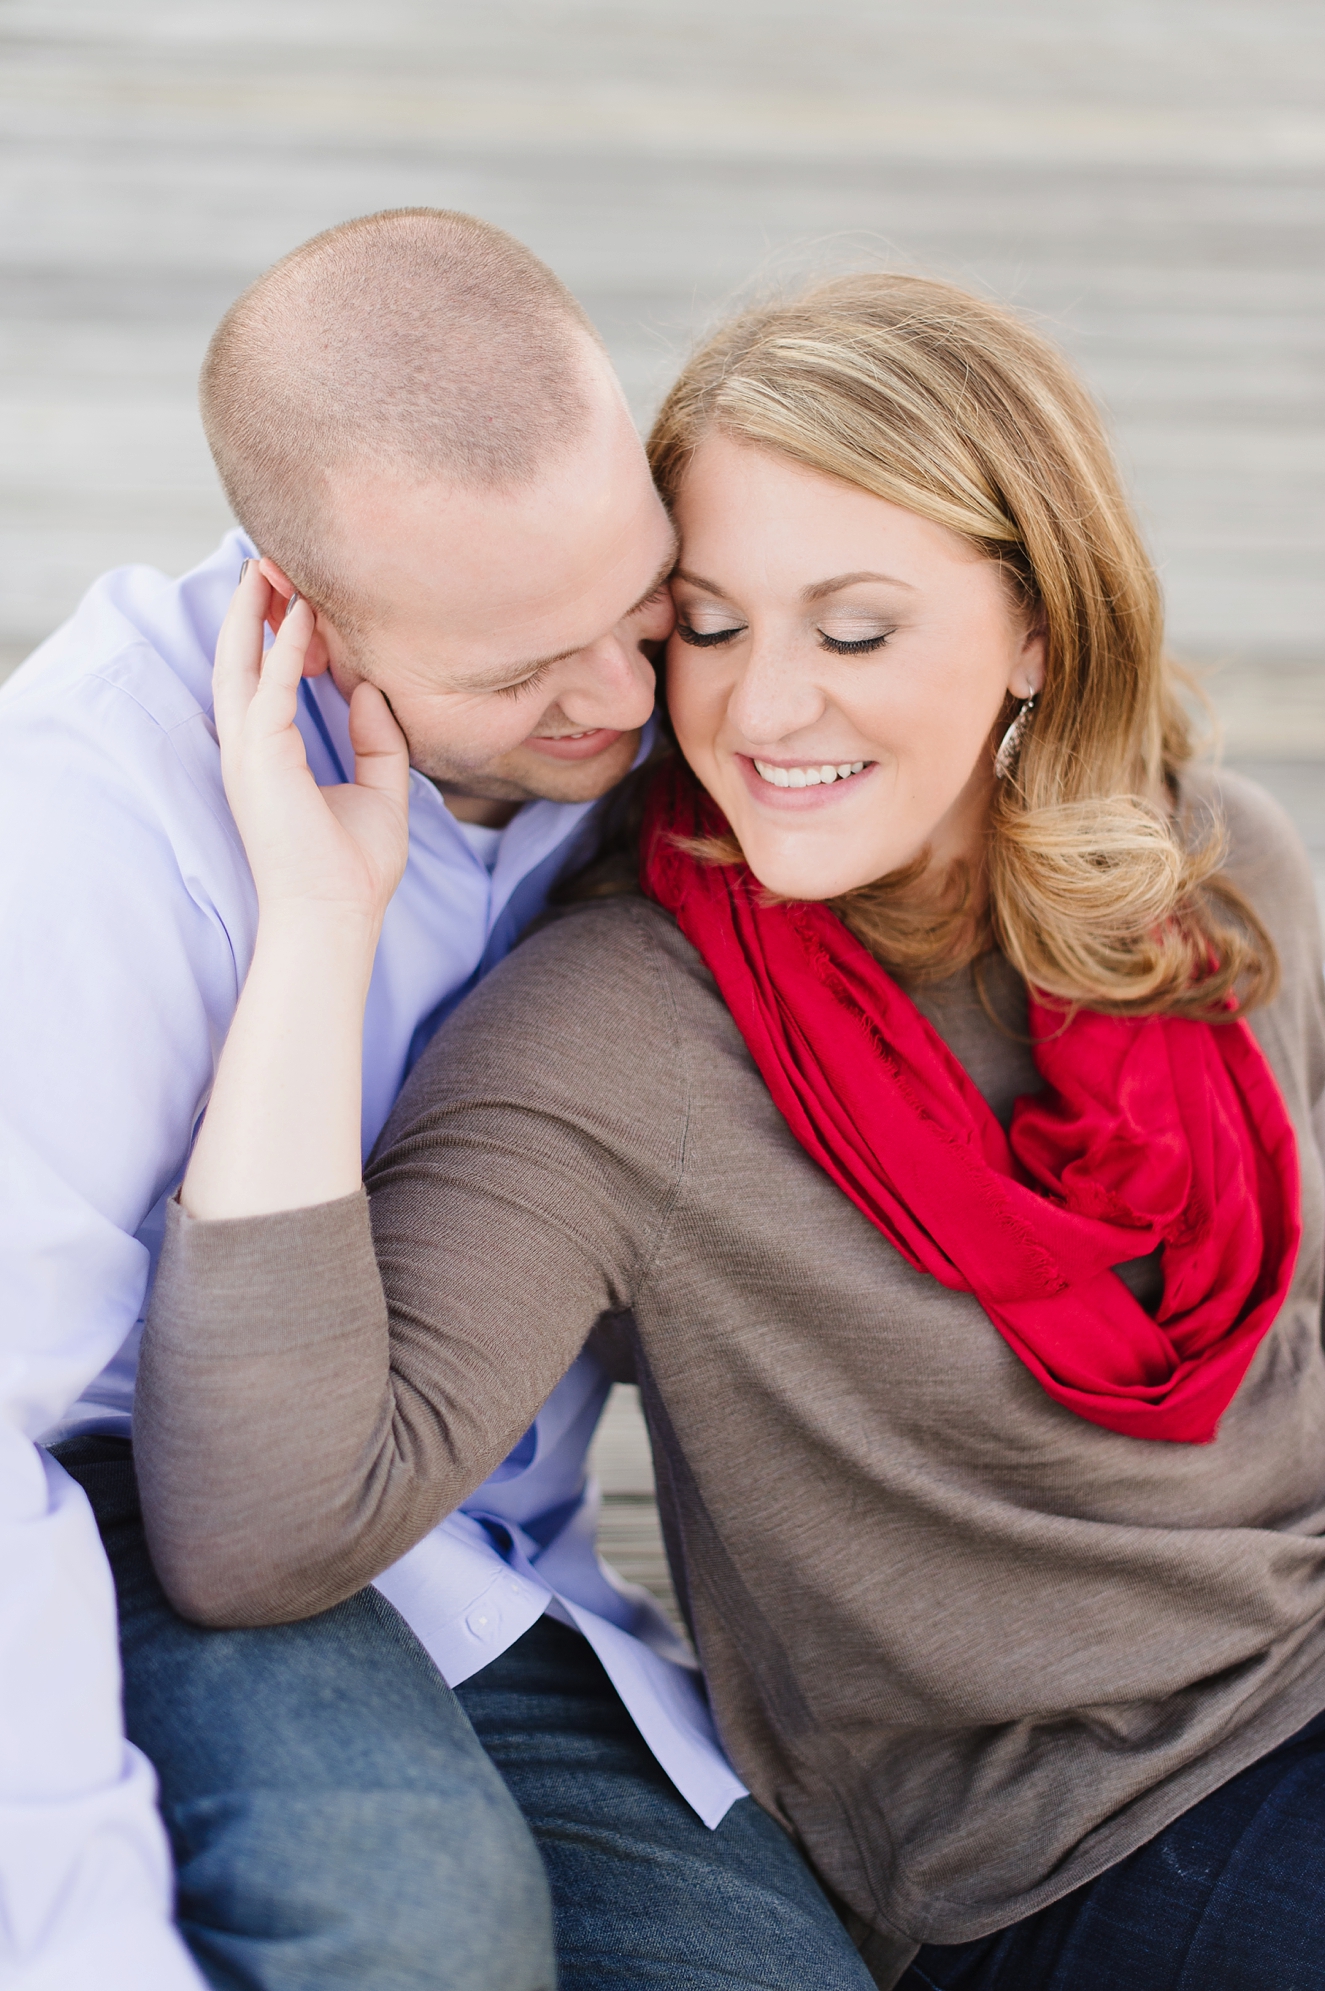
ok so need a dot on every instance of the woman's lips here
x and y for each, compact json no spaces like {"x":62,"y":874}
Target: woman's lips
{"x":818,"y":795}
{"x":574,"y":746}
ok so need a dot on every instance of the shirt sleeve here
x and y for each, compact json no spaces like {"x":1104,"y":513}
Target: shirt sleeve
{"x":306,"y":1412}
{"x":107,"y":1053}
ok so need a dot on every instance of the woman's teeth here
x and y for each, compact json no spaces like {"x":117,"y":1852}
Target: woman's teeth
{"x":808,"y":777}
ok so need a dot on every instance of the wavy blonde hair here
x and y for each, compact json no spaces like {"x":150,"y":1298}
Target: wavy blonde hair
{"x":952,"y":407}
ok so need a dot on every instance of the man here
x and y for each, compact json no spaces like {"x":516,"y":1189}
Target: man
{"x":421,"y":436}
{"x":420,"y":428}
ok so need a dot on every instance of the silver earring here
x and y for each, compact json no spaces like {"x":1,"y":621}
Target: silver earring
{"x":1009,"y":746}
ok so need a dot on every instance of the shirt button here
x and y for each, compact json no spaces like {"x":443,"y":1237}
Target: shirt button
{"x":480,"y":1623}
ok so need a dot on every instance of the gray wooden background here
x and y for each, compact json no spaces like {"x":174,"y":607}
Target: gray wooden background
{"x":1145,"y":177}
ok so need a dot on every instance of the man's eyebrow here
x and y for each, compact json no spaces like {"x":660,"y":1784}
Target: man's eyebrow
{"x":512,"y":673}
{"x":662,"y":574}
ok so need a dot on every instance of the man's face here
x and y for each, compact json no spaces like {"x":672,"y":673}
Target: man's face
{"x":506,"y":628}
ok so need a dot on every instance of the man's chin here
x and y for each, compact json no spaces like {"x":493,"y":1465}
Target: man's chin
{"x":572,"y":776}
{"x":533,"y":774}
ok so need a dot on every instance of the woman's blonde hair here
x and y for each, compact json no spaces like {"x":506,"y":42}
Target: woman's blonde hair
{"x":950,"y":406}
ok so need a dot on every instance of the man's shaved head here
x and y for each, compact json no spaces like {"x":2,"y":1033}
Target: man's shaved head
{"x":422,"y":434}
{"x":418,"y":346}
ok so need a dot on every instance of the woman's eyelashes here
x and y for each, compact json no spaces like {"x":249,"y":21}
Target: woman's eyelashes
{"x":857,"y":646}
{"x":704,"y":639}
{"x":837,"y":646}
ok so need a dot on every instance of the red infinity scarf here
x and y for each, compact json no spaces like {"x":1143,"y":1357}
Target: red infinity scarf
{"x":1149,"y":1131}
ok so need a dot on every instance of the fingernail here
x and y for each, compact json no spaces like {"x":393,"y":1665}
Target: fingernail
{"x":244,"y":566}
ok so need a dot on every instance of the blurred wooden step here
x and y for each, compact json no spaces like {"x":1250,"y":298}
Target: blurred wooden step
{"x":629,"y":1533}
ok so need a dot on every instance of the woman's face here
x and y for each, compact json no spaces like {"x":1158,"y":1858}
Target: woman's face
{"x":837,"y":669}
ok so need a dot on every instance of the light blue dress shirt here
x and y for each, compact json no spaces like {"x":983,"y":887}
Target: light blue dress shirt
{"x":127,"y":922}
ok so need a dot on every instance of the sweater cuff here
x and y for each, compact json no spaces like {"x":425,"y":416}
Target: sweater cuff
{"x":296,"y":1276}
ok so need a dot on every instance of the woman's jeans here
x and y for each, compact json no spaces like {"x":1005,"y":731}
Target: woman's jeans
{"x":1230,"y":1897}
{"x":341,"y":1821}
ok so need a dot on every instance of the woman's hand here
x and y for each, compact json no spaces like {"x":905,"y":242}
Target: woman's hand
{"x":282,"y":1127}
{"x":340,"y":850}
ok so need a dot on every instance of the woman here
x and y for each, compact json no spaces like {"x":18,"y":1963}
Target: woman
{"x":941,"y":1113}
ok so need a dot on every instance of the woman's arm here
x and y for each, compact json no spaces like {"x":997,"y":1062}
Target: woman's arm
{"x":295,"y":1435}
{"x":282,"y":1125}
{"x":297,"y":1430}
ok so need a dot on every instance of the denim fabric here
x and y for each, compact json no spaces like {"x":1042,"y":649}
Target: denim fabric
{"x":1231,"y":1897}
{"x":644,"y":1894}
{"x":335,"y":1825}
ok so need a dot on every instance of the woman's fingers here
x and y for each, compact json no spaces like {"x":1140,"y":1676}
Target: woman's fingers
{"x":277,"y":690}
{"x":338,"y":846}
{"x":381,"y":755}
{"x":239,"y":652}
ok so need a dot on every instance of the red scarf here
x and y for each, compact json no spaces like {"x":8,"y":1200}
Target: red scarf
{"x":1149,"y":1131}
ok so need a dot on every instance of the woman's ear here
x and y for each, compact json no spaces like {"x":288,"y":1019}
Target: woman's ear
{"x":1026,"y":679}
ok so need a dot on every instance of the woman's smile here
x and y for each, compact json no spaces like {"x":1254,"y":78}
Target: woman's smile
{"x":799,"y":774}
{"x":798,"y":785}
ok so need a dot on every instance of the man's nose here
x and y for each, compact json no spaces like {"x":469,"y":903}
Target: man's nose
{"x":614,"y":686}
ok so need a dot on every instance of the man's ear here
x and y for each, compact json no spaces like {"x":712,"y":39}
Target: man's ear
{"x":282,"y":587}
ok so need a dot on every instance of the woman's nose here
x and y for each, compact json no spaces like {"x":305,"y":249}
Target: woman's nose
{"x":774,"y":697}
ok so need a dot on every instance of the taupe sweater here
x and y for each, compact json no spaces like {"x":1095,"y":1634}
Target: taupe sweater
{"x":970,"y":1649}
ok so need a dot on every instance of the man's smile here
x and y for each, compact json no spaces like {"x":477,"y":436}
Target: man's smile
{"x":574,"y":746}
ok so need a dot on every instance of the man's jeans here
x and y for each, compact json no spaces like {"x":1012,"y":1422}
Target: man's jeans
{"x":338,"y":1826}
{"x":644,"y":1893}
{"x":334,"y":1821}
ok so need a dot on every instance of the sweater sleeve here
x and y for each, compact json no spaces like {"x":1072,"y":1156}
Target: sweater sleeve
{"x":318,"y":1388}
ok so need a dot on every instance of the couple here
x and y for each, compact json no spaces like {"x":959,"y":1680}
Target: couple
{"x":915,"y":1090}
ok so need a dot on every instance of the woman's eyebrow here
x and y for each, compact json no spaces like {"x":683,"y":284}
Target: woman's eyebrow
{"x":819,"y":589}
{"x":815,"y":592}
{"x":698,"y":581}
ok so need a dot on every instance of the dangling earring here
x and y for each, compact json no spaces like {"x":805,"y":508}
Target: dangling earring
{"x":1010,"y":744}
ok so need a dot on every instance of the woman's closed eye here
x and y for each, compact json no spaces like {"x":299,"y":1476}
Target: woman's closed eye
{"x":853,"y":629}
{"x":856,"y":646}
{"x":837,"y":646}
{"x":705,"y":639}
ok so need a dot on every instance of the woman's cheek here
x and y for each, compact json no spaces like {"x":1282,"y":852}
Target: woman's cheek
{"x":685,"y":703}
